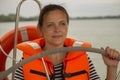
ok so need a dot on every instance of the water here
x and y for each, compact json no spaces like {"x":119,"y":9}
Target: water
{"x":99,"y":32}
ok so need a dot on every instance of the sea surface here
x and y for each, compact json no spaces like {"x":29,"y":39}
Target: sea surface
{"x":99,"y":32}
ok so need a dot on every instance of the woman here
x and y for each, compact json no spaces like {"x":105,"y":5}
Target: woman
{"x":53,"y":26}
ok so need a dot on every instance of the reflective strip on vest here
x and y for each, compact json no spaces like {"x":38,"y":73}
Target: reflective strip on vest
{"x":77,"y":43}
{"x":33,"y":45}
{"x":24,"y":34}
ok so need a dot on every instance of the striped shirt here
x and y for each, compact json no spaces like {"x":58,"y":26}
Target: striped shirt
{"x":58,"y":75}
{"x":58,"y":72}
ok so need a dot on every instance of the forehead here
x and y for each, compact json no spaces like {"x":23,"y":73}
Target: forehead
{"x":55,"y":13}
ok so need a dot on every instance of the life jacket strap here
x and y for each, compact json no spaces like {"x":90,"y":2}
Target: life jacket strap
{"x":37,"y":72}
{"x":40,"y":73}
{"x":68,"y":75}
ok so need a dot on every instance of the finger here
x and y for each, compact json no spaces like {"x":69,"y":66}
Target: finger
{"x":116,"y":53}
{"x":108,"y":51}
{"x":113,"y":54}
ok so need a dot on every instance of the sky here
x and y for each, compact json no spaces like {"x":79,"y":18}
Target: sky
{"x":75,"y":8}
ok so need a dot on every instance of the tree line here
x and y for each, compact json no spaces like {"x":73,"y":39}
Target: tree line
{"x":11,"y":18}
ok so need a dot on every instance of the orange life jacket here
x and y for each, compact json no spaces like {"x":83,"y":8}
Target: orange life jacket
{"x":76,"y":63}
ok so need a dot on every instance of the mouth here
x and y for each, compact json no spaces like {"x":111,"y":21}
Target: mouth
{"x":57,"y":36}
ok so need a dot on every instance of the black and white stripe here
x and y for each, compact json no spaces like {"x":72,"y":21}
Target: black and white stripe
{"x":58,"y":72}
{"x":93,"y":73}
{"x":19,"y":74}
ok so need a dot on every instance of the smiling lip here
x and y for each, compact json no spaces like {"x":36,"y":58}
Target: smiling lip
{"x":57,"y":36}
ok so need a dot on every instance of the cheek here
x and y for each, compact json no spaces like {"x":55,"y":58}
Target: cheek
{"x":65,"y":31}
{"x":46,"y":33}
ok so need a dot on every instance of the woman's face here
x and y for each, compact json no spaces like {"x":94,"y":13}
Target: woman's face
{"x":55,"y":27}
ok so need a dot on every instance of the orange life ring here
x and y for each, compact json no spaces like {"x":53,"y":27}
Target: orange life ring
{"x":7,"y":41}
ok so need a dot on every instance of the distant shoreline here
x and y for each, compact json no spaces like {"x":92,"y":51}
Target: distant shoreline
{"x":11,"y":18}
{"x":100,"y":17}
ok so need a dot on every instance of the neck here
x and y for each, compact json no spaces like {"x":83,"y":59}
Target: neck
{"x":57,"y":57}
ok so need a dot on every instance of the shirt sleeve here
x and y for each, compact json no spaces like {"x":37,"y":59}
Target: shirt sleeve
{"x":93,"y":74}
{"x":19,"y":74}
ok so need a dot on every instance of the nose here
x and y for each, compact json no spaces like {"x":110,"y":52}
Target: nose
{"x":57,"y":28}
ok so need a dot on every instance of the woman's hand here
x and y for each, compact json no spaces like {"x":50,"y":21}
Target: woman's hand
{"x":111,"y":57}
{"x":111,"y":62}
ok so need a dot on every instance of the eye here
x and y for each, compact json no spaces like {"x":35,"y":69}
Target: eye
{"x":63,"y":24}
{"x":50,"y":25}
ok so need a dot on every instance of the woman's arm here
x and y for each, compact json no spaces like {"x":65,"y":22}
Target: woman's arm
{"x":111,"y":63}
{"x":111,"y":73}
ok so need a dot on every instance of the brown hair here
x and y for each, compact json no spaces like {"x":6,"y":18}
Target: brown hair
{"x":47,"y":9}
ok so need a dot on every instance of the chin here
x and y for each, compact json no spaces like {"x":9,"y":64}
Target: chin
{"x":58,"y":43}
